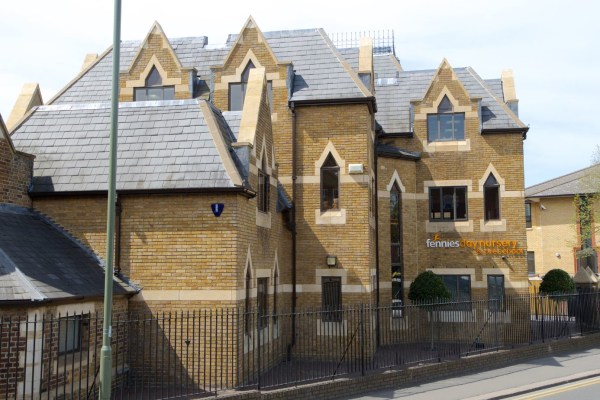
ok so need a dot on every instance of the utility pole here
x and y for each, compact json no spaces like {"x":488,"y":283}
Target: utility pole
{"x":106,"y":352}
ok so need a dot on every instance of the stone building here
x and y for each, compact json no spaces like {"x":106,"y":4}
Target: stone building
{"x":283,"y":171}
{"x":554,"y":211}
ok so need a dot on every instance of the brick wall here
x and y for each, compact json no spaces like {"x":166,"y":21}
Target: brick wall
{"x":347,"y":387}
{"x":456,"y":166}
{"x":16,"y":169}
{"x":554,"y":231}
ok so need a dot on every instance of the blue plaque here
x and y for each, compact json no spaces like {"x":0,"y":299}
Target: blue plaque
{"x":217,"y":208}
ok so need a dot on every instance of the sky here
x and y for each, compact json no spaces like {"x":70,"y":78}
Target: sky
{"x":553,"y":48}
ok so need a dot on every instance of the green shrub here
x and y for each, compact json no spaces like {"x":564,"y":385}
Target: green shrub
{"x":557,"y":281}
{"x":427,"y":287}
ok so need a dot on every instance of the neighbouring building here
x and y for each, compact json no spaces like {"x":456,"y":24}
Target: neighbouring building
{"x":46,"y":275}
{"x":286,"y":171}
{"x":561,"y":223}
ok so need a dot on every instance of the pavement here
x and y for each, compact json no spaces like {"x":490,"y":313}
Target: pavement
{"x":504,"y":382}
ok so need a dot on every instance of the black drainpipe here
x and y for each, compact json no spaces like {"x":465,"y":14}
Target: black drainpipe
{"x":376,"y":212}
{"x":119,"y":210}
{"x":293,"y":216}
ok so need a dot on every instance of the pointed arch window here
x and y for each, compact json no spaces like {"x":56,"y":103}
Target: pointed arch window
{"x":445,"y":125}
{"x":275,"y":283}
{"x":396,"y":250}
{"x":263,"y":187}
{"x":154,"y":89}
{"x":491,"y":198}
{"x":247,"y":303}
{"x":237,"y":90}
{"x":330,"y":184}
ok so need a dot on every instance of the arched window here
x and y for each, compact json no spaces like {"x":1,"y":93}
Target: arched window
{"x":396,"y":249}
{"x":330,"y":184}
{"x":445,"y":125}
{"x":237,"y":90}
{"x":247,"y":304}
{"x":263,"y":187}
{"x":275,"y":282}
{"x":491,"y":198}
{"x":154,"y":89}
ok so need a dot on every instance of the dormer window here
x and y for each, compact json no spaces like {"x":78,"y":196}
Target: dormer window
{"x":237,"y":90}
{"x":154,"y":89}
{"x":446,"y":125}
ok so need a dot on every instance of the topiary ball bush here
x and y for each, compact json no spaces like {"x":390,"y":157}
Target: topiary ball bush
{"x":557,"y":281}
{"x":428,"y":286}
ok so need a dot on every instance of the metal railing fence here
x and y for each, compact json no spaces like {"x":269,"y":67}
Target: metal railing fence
{"x":206,"y":352}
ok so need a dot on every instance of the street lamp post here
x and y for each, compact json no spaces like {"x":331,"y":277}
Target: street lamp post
{"x":106,"y":352}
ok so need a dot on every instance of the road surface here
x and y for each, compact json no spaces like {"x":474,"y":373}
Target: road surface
{"x":504,"y":383}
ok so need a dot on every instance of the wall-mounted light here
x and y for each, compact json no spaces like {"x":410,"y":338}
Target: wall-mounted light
{"x":557,"y":255}
{"x":331,"y":261}
{"x":504,"y":257}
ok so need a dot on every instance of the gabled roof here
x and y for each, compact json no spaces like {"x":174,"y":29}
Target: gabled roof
{"x":586,"y":180}
{"x":394,"y":95}
{"x":321,"y":72}
{"x":161,"y":145}
{"x":39,"y":261}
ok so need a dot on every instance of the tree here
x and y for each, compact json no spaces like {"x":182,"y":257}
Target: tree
{"x":586,"y":207}
{"x":426,"y":289}
{"x":557,"y":281}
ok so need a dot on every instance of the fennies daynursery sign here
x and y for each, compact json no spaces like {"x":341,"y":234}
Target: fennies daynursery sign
{"x":483,"y":247}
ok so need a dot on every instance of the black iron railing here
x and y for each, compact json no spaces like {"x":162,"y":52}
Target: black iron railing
{"x":206,"y":352}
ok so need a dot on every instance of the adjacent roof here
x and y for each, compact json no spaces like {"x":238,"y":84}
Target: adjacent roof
{"x":585,"y":180}
{"x":391,"y":151}
{"x":39,"y":261}
{"x":161,"y":145}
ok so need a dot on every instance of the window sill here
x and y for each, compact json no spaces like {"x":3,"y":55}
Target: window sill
{"x":330,"y":217}
{"x":263,"y":219}
{"x":450,"y":145}
{"x":448,"y":226}
{"x":492,"y":226}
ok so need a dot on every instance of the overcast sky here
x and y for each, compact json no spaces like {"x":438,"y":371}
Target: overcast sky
{"x":552,"y":47}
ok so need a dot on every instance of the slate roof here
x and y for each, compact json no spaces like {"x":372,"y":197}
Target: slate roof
{"x":394,"y":96}
{"x":321,"y":71}
{"x":320,"y":68}
{"x":585,"y":180}
{"x":39,"y":261}
{"x":162,"y":145}
{"x":389,"y":150}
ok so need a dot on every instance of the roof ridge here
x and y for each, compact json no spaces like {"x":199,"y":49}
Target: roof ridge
{"x":502,"y":104}
{"x":563,"y":176}
{"x":344,"y":63}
